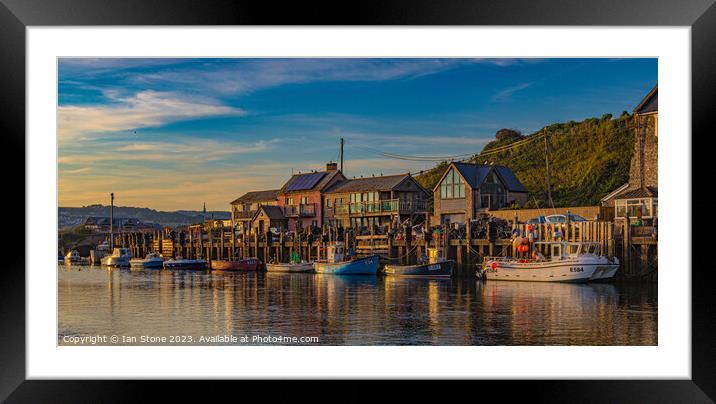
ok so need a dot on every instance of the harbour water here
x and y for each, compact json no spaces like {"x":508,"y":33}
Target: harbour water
{"x":158,"y":307}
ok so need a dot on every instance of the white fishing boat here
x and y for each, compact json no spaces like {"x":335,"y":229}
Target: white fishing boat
{"x":99,"y":252}
{"x":119,"y":258}
{"x":73,"y":257}
{"x":553,"y":262}
{"x":290,"y":267}
{"x":152,"y":260}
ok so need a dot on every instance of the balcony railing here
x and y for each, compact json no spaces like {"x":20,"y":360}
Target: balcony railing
{"x":303,"y":210}
{"x":380,"y":207}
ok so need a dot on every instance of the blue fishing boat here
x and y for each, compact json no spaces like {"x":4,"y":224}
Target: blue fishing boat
{"x":340,"y":264}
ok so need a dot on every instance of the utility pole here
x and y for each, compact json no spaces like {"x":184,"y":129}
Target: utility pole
{"x":342,"y":142}
{"x":546,"y":162}
{"x":111,"y":222}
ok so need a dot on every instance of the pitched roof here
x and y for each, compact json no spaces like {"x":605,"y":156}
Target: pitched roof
{"x":309,"y":181}
{"x":512,"y":183}
{"x":474,"y":174}
{"x":381,"y":183}
{"x":615,"y":192}
{"x":650,"y":103}
{"x":273,"y":212}
{"x":257,"y":196}
{"x":643,"y":192}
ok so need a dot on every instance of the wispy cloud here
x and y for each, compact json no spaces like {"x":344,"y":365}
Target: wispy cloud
{"x":144,"y":109}
{"x":510,"y":91}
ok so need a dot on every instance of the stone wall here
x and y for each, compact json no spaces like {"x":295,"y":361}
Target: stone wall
{"x":644,"y":164}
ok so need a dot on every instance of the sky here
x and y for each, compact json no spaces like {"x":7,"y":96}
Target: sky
{"x":172,"y":134}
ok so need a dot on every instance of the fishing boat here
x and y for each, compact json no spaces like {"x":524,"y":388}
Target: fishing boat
{"x":119,"y":258}
{"x":554,"y":262}
{"x":338,"y":264}
{"x":290,"y":267}
{"x":73,"y":257}
{"x":435,"y":267}
{"x":187,"y":264}
{"x":99,"y":252}
{"x":248,"y":264}
{"x":152,"y":260}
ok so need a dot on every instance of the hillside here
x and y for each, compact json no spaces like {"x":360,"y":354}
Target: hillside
{"x":72,"y":216}
{"x":588,"y":160}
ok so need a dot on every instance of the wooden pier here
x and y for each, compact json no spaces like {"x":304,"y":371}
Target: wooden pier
{"x":636,"y":247}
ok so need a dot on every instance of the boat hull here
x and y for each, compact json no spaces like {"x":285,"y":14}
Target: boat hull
{"x":111,"y":261}
{"x":143,"y":263}
{"x":361,"y":266}
{"x":187,"y":265}
{"x":557,"y":272}
{"x":282,"y":267}
{"x":437,"y":270}
{"x":250,"y":264}
{"x":605,"y":272}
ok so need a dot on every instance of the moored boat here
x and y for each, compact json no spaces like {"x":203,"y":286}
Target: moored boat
{"x":248,"y":264}
{"x":290,"y":267}
{"x":99,"y":252}
{"x":186,"y":264}
{"x":338,"y":264}
{"x":119,"y":258}
{"x":73,"y":257}
{"x":436,"y":267}
{"x":565,"y":262}
{"x":152,"y":260}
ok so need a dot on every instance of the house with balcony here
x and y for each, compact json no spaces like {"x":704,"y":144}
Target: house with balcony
{"x":467,"y":189}
{"x":301,"y":197}
{"x":376,"y":201}
{"x":638,"y":198}
{"x":244,"y":208}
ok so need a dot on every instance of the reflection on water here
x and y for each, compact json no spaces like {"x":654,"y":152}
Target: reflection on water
{"x":352,"y":310}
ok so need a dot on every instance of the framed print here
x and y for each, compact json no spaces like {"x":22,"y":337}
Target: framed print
{"x":401,"y":192}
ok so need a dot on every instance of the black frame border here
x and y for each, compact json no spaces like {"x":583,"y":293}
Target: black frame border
{"x":16,"y":15}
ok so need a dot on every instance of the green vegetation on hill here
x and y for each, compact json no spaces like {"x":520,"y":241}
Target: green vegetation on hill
{"x":588,"y":160}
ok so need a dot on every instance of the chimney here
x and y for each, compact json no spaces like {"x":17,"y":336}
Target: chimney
{"x":331,"y":166}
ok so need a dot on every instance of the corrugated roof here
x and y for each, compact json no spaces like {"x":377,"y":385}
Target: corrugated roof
{"x":257,"y":196}
{"x":643,"y":192}
{"x":381,"y":183}
{"x":511,"y":181}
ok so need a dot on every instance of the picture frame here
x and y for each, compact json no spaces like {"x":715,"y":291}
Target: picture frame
{"x":16,"y":15}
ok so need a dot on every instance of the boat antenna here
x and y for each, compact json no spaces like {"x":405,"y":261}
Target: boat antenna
{"x":111,"y":221}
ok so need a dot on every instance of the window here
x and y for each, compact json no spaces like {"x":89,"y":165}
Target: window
{"x":304,"y":200}
{"x":289,"y":201}
{"x":633,"y":208}
{"x":452,"y":186}
{"x":329,"y":202}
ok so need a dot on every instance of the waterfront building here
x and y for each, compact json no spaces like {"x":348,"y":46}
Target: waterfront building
{"x":266,"y":217}
{"x":301,"y":197}
{"x":244,"y":208}
{"x":638,"y":198}
{"x":376,"y":201}
{"x":466,"y":189}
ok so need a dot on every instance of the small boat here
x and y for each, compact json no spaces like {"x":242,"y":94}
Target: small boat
{"x":249,"y":264}
{"x":99,"y":252}
{"x":436,"y":267}
{"x":187,"y":264}
{"x":120,"y":258}
{"x":73,"y":257}
{"x":338,"y":265}
{"x":566,"y":262}
{"x":290,"y":267}
{"x":60,"y":259}
{"x":152,"y":260}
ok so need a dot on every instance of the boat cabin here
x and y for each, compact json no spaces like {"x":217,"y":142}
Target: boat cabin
{"x":336,"y":252}
{"x":561,"y":250}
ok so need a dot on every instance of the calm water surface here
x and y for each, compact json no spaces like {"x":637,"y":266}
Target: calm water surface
{"x":356,"y":310}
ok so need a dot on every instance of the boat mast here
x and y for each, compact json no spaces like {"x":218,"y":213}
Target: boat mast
{"x":342,"y":142}
{"x":546,"y":162}
{"x":111,"y":222}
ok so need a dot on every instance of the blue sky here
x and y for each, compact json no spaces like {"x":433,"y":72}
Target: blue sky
{"x":174,"y":133}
